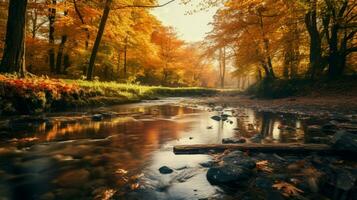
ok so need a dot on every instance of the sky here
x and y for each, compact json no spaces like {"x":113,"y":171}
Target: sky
{"x":191,"y":28}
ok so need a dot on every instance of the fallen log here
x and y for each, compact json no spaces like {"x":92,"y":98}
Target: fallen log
{"x":287,"y":148}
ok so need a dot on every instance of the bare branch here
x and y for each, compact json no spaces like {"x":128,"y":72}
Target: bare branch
{"x":142,"y":6}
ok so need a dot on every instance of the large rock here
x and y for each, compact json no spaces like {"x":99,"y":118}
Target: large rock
{"x":235,"y":170}
{"x":228,"y":175}
{"x":343,"y":140}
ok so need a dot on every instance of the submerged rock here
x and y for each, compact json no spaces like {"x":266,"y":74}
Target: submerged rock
{"x":233,"y":140}
{"x":165,"y":170}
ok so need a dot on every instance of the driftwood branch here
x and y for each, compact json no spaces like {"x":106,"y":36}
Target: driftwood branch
{"x":288,"y":148}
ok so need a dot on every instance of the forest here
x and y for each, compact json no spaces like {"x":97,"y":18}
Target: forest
{"x":113,"y":99}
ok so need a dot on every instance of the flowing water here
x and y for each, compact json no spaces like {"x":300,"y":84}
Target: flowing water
{"x":72,"y":156}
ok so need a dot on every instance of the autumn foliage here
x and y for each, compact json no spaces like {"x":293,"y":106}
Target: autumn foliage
{"x":135,"y":48}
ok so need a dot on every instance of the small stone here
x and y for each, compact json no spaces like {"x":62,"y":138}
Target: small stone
{"x":190,"y":138}
{"x":209,"y":127}
{"x":165,"y":170}
{"x":216,"y":118}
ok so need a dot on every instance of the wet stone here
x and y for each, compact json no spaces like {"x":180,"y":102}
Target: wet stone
{"x":235,"y":170}
{"x":216,"y":118}
{"x":228,"y":175}
{"x":165,"y":170}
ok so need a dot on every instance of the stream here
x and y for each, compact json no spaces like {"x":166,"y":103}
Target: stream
{"x":79,"y":155}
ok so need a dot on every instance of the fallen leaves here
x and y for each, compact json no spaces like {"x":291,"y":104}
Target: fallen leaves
{"x":287,"y":189}
{"x":264,"y":166}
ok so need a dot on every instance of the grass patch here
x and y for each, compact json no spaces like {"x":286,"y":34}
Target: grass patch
{"x":40,"y":94}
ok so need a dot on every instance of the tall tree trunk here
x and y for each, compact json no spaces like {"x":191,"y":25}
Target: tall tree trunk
{"x":60,"y":54}
{"x":98,"y":39}
{"x":125,"y":58}
{"x":51,"y":36}
{"x":118,"y":67}
{"x":66,"y":63}
{"x":14,"y":52}
{"x":60,"y":51}
{"x":315,"y":40}
{"x":269,"y":66}
{"x":222,"y":65}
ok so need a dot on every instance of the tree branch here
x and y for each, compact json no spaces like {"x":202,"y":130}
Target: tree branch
{"x":143,"y":6}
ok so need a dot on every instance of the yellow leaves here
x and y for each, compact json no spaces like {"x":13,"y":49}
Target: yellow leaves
{"x":264,"y":166}
{"x":287,"y":189}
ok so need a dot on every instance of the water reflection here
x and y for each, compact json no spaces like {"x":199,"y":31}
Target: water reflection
{"x":81,"y":159}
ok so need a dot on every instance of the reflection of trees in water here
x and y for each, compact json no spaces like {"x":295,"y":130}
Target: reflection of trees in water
{"x":267,"y":125}
{"x":270,"y":126}
{"x":220,"y":131}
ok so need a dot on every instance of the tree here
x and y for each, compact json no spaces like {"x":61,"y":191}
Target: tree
{"x":107,"y":8}
{"x":340,"y":28}
{"x":51,"y":32}
{"x":14,"y":54}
